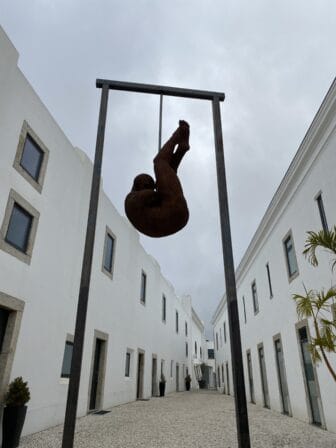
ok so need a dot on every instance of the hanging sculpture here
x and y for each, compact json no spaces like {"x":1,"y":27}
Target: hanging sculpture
{"x":158,"y":208}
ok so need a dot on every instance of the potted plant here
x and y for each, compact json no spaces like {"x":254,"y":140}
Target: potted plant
{"x":162,"y":385}
{"x":14,"y":413}
{"x":187,"y":380}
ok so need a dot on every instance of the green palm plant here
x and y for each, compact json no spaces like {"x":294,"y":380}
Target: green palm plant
{"x":319,"y":305}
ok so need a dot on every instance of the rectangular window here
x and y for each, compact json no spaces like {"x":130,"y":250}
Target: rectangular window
{"x":31,"y":157}
{"x":163,"y":308}
{"x":211,"y":353}
{"x":217,"y":341}
{"x":186,"y":328}
{"x":323,"y":217}
{"x":187,"y":349}
{"x":244,"y":309}
{"x":177,"y":322}
{"x":225,"y":332}
{"x":67,"y":357}
{"x":292,"y":267}
{"x":171,"y":368}
{"x":127,"y":364}
{"x":220,"y":337}
{"x":108,"y":253}
{"x":143,"y":288}
{"x":269,"y":280}
{"x":255,"y":297}
{"x":19,"y":227}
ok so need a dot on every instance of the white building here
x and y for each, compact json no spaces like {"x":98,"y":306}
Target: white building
{"x":278,"y":369}
{"x":136,"y":325}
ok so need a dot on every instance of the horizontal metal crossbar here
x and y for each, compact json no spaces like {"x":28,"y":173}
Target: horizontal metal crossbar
{"x":160,"y":90}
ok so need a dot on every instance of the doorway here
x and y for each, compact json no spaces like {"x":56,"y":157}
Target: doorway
{"x":154,"y":377}
{"x":310,"y":377}
{"x":250,"y":375}
{"x":98,"y":366}
{"x":280,"y":362}
{"x":177,"y":377}
{"x":263,"y":376}
{"x":140,"y":374}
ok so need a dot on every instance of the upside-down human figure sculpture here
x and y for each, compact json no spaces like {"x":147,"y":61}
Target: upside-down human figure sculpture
{"x":159,"y":208}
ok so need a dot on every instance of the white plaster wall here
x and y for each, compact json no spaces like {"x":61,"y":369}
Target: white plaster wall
{"x":50,"y":284}
{"x":298,"y":212}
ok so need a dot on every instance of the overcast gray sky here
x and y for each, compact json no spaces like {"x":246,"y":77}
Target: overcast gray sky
{"x":274,"y":60}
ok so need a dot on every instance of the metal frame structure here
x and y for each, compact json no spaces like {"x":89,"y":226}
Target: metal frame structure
{"x":230,"y":282}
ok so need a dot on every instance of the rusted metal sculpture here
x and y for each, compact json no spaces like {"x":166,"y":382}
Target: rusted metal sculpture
{"x":159,"y":208}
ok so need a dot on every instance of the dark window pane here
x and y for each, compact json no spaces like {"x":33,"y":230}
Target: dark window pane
{"x":128,"y":363}
{"x":291,"y":259}
{"x":143,"y":288}
{"x":269,"y":280}
{"x":255,"y":297}
{"x":176,"y":322}
{"x":211,"y":353}
{"x":67,"y":359}
{"x":108,"y":256}
{"x":322,"y":213}
{"x":3,"y":324}
{"x":32,"y":157}
{"x":164,"y":308}
{"x":19,"y":228}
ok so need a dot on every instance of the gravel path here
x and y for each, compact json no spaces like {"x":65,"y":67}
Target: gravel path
{"x":202,"y":419}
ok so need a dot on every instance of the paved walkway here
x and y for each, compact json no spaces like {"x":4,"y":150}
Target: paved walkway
{"x":185,"y":420}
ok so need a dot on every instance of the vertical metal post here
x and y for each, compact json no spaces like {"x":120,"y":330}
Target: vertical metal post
{"x":160,"y":124}
{"x":230,"y":282}
{"x":76,"y":363}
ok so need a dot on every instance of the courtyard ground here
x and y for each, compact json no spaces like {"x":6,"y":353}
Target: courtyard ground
{"x":187,"y":419}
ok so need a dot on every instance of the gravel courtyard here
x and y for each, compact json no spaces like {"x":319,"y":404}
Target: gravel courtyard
{"x":186,"y":419}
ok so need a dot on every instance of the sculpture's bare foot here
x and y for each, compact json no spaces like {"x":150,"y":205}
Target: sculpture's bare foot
{"x":183,"y":135}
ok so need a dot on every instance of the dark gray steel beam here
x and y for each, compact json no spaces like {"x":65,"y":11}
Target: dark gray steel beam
{"x":77,"y":355}
{"x":160,"y":90}
{"x":243,"y":433}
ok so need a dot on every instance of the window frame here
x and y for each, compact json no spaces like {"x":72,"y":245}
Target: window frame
{"x":109,"y":234}
{"x":176,"y":321}
{"x":26,"y":130}
{"x":143,"y":287}
{"x":289,"y":235}
{"x":321,"y":209}
{"x":224,"y":331}
{"x":70,"y":341}
{"x":16,"y":198}
{"x":164,"y":309}
{"x":255,"y":300}
{"x":128,"y":356}
{"x":270,"y":289}
{"x":186,"y":328}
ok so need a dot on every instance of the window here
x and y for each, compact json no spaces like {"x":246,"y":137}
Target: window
{"x":67,"y":357}
{"x":19,"y":227}
{"x":211,"y":353}
{"x":143,"y":288}
{"x":187,"y":349}
{"x":171,"y":368}
{"x":217,"y":341}
{"x":128,"y":364}
{"x":186,"y":328}
{"x":269,"y":280}
{"x":244,"y":308}
{"x":223,"y":373}
{"x":31,"y":157}
{"x":163,"y":308}
{"x":225,"y":332}
{"x":195,"y":348}
{"x":108,"y":253}
{"x":255,"y":297}
{"x":201,"y":352}
{"x":323,"y":217}
{"x":221,"y":337}
{"x":176,"y":322}
{"x":292,"y":268}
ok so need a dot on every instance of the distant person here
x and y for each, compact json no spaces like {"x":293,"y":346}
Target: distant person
{"x":159,"y":208}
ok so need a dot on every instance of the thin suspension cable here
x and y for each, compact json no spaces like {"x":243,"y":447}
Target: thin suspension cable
{"x":160,"y":123}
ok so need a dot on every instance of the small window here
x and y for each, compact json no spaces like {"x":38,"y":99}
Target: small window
{"x":176,"y":322}
{"x":291,"y":262}
{"x":186,"y":328}
{"x":269,"y":280}
{"x":323,"y":217}
{"x":211,"y":353}
{"x":255,"y":297}
{"x":187,"y":349}
{"x":217,"y":341}
{"x":108,"y":257}
{"x":67,"y":358}
{"x":244,"y":309}
{"x":171,"y":368}
{"x":19,"y":227}
{"x":128,"y":364}
{"x":201,"y":352}
{"x":195,"y":348}
{"x":163,"y":308}
{"x":221,"y":337}
{"x":225,"y":332}
{"x":143,"y":288}
{"x":31,"y":157}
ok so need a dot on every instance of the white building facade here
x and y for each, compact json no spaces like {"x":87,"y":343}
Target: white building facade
{"x":278,"y":370}
{"x":137,"y":328}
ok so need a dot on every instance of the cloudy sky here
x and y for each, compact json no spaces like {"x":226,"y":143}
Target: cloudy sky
{"x":273,"y":59}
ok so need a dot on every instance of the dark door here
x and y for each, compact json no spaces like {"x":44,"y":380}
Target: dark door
{"x":310,"y":377}
{"x":250,"y":376}
{"x":282,"y":376}
{"x":140,"y":375}
{"x":3,"y":324}
{"x":227,"y":378}
{"x":154,"y":377}
{"x":95,"y":374}
{"x":263,"y":376}
{"x":177,"y":377}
